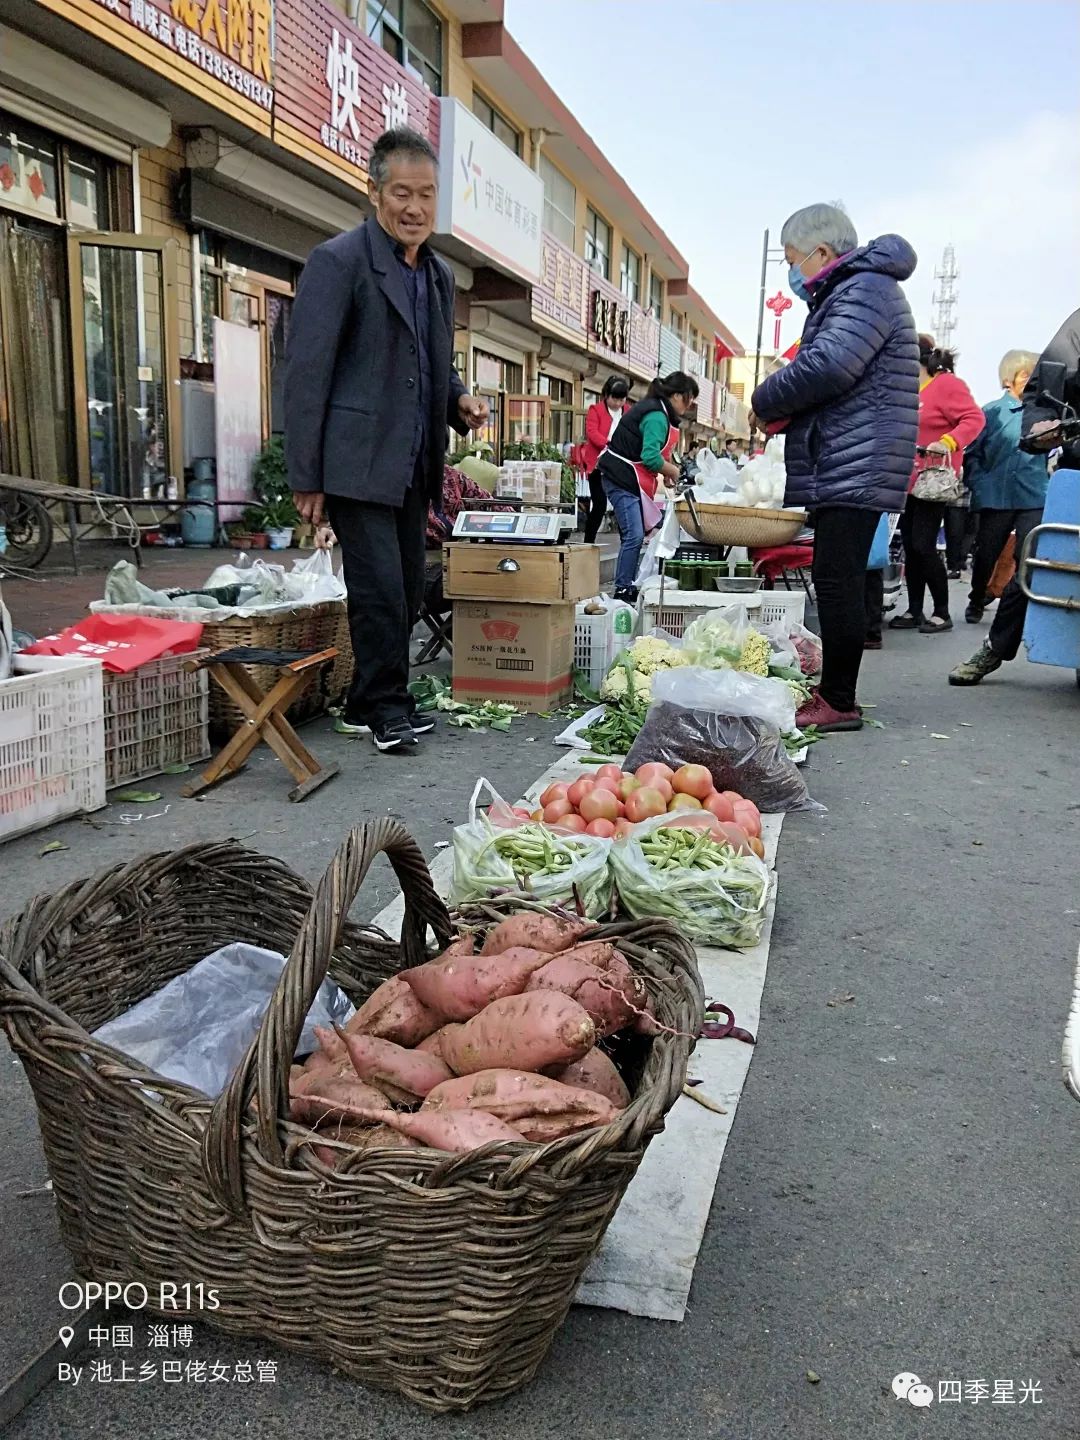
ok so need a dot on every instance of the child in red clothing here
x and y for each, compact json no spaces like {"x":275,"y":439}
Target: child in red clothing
{"x":949,"y":420}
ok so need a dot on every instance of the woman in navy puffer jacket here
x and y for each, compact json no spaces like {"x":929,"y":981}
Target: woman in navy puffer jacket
{"x":849,"y":403}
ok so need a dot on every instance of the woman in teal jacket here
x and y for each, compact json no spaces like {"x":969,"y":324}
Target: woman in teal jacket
{"x":1008,"y":486}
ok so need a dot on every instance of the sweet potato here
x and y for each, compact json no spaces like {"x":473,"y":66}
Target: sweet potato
{"x":611,"y":999}
{"x":455,"y":1130}
{"x":338,"y":1096}
{"x":533,"y":932}
{"x":394,"y":1013}
{"x":521,"y":1099}
{"x":399,"y":1073}
{"x":458,"y":987}
{"x":600,"y":953}
{"x":520,"y":1032}
{"x":431,"y":1044}
{"x":596,"y":1072}
{"x":329,"y":1050}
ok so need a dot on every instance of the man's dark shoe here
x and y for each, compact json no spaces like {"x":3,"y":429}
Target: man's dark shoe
{"x":984,"y":662}
{"x":395,"y":734}
{"x":872,"y":642}
{"x":629,"y":593}
{"x":974,"y":613}
{"x":422,"y":724}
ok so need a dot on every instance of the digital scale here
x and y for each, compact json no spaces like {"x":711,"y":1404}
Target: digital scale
{"x":508,"y":527}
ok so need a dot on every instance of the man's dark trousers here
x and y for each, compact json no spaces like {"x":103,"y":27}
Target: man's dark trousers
{"x":382,"y":551}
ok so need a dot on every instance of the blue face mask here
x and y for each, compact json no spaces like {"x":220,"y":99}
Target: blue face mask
{"x":797,"y":284}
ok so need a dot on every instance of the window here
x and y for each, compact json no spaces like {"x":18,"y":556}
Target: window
{"x":677,"y":323}
{"x":630,"y":274}
{"x":559,"y":392}
{"x":656,"y":295}
{"x":498,"y":124}
{"x":412,"y":34}
{"x":597,"y":243}
{"x":560,"y":204}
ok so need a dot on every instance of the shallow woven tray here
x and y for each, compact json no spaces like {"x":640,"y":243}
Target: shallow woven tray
{"x":739,"y":525}
{"x":442,"y":1276}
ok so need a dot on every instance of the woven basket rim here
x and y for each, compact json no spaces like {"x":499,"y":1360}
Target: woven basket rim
{"x":742,"y":512}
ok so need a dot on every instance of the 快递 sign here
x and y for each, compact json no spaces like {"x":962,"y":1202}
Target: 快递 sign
{"x":488,"y":198}
{"x":336,"y":91}
{"x":220,"y":50}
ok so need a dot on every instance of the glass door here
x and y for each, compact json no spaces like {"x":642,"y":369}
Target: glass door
{"x":265,"y":305}
{"x":526,"y":419}
{"x":125,"y":353}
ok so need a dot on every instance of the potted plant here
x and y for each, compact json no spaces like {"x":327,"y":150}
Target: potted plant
{"x":275,"y":514}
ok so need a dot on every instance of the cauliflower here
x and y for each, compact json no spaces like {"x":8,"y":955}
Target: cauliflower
{"x":650,"y":653}
{"x":756,"y":654}
{"x":616,"y":685}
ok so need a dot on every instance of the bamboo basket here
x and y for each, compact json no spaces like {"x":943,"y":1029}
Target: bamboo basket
{"x":738,"y":524}
{"x":441,"y":1276}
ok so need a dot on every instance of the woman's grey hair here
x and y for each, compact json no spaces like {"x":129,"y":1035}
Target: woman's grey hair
{"x":816,"y":225}
{"x":401,"y":141}
{"x":1013,"y":361}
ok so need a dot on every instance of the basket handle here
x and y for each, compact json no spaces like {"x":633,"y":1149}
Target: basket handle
{"x":264,"y":1070}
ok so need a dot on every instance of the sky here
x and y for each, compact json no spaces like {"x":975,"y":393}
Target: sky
{"x":945,"y":121}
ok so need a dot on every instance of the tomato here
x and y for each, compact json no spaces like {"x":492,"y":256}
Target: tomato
{"x":693,"y":780}
{"x":684,"y":802}
{"x":599,"y":804}
{"x":554,"y":792}
{"x":605,"y":782}
{"x":579,"y":789}
{"x":521,"y":812}
{"x":736,"y":837}
{"x":748,"y":818}
{"x":609,"y":772}
{"x":572,"y":822}
{"x":537,"y":815}
{"x":654,"y":770}
{"x":693,"y":820}
{"x":623,"y":828}
{"x":622,"y":808}
{"x":757,"y":847}
{"x":643,"y":804}
{"x":627,"y":785}
{"x":664,"y":786}
{"x":720,"y":806}
{"x":604,"y":828}
{"x":556,"y":811}
{"x":732,"y":795}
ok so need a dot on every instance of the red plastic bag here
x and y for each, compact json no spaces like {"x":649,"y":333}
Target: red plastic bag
{"x":121,"y":642}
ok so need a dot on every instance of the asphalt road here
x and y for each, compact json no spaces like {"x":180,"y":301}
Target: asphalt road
{"x":900,"y":1190}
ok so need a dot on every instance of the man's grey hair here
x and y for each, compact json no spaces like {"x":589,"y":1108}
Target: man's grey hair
{"x":816,"y":225}
{"x":401,"y":141}
{"x":1013,"y":361}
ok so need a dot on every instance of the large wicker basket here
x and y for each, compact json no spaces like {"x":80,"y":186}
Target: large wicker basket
{"x":273,"y":627}
{"x":739,"y":525}
{"x":442,"y":1276}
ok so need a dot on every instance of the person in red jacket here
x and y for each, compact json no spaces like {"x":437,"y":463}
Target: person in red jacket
{"x":950,"y":418}
{"x":600,"y":423}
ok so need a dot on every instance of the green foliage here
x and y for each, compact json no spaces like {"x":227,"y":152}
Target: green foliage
{"x":270,"y":481}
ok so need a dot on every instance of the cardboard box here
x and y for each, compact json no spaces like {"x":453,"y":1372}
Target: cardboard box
{"x":520,"y":654}
{"x":544,"y":574}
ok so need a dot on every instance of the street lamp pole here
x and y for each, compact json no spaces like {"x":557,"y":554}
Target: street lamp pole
{"x":761,"y":308}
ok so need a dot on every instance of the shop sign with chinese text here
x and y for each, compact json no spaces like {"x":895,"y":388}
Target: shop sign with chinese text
{"x":558,"y":299}
{"x":609,"y":322}
{"x":337,"y":90}
{"x":488,"y":198}
{"x":219,"y":50}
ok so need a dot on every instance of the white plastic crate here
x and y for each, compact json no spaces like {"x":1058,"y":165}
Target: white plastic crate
{"x":680,"y":607}
{"x":786,"y":607}
{"x":598,"y":639}
{"x":155,"y":716}
{"x":52,"y":742}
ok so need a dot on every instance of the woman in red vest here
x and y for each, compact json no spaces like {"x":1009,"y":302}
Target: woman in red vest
{"x":600,"y":423}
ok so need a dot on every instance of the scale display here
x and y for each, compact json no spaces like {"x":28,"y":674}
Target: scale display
{"x":519,"y":528}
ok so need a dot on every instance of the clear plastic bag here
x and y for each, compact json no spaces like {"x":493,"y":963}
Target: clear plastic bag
{"x":723,"y":907}
{"x":717,"y":638}
{"x":483,"y":866}
{"x":314,"y":578}
{"x":198,"y":1027}
{"x":741,"y":753}
{"x":727,"y":692}
{"x":808,"y":648}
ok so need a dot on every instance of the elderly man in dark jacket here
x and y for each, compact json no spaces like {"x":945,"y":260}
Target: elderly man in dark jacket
{"x":370,"y":389}
{"x":849,"y":404}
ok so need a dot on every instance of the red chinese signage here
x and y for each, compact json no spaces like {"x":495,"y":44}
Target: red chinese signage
{"x":609,"y":322}
{"x":558,"y":301}
{"x":220,"y":50}
{"x":337,"y":91}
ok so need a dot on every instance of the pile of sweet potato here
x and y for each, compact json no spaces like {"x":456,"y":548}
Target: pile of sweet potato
{"x":478,"y":1046}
